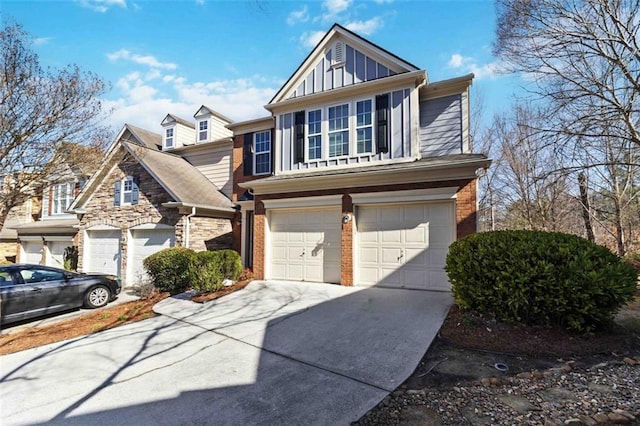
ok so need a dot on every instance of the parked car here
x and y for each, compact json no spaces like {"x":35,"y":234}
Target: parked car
{"x":28,"y":291}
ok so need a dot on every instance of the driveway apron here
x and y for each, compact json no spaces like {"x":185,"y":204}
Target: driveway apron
{"x":275,"y":352}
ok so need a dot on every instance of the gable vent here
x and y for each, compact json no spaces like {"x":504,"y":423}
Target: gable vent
{"x":338,"y":53}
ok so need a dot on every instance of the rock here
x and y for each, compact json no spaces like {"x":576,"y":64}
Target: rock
{"x":495,"y":381}
{"x":601,"y":418}
{"x":524,"y":375}
{"x":416,"y":392}
{"x":601,"y":365}
{"x":599,"y":388}
{"x":618,"y":418}
{"x":486,"y":382}
{"x":625,"y":413}
{"x":518,"y":403}
{"x":537,"y":374}
{"x":419,"y":416}
{"x":557,"y":394}
{"x":566,"y":368}
{"x":573,"y":421}
{"x":587,"y":421}
{"x":630,"y":361}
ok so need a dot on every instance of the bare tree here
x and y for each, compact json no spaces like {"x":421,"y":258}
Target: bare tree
{"x":582,"y":56}
{"x":41,"y":109}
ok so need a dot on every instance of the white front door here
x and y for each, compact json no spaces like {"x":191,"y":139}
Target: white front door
{"x":146,"y":242}
{"x":102,"y":252}
{"x":404,"y":245}
{"x":32,"y":252}
{"x":305,"y":244}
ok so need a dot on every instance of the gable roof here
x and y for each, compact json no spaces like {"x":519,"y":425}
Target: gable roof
{"x":203,"y":110}
{"x":181,"y":180}
{"x":178,"y":120}
{"x":314,"y":56}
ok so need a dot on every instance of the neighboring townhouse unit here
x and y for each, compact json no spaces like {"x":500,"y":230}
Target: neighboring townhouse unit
{"x":8,"y":235}
{"x":362,"y":174}
{"x":155,"y":191}
{"x":45,"y":240}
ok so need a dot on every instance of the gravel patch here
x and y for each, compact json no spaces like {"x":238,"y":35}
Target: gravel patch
{"x":606,"y":393}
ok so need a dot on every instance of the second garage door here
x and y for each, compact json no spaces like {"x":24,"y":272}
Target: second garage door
{"x":56,"y":252}
{"x":405,"y":246}
{"x":32,"y":252}
{"x":305,"y":245}
{"x":146,"y":242}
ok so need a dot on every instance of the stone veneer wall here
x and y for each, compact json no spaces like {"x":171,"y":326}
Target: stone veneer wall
{"x":100,"y":210}
{"x":209,"y":233}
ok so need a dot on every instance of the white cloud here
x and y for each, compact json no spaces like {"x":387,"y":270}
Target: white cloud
{"x":469,"y":64}
{"x":200,"y":2}
{"x":311,"y":38}
{"x":366,"y":27}
{"x":334,"y":7}
{"x":102,"y":5}
{"x":39,"y":41}
{"x":298,"y":16}
{"x":148,"y":60}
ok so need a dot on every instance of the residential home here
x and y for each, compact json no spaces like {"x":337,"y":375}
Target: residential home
{"x":155,"y":191}
{"x":18,"y":215}
{"x":361,"y":174}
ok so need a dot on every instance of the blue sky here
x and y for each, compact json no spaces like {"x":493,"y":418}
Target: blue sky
{"x":173,"y":56}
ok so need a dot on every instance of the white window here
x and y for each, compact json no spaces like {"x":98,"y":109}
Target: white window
{"x":62,"y":195}
{"x":168,"y":138}
{"x":127,"y":190}
{"x":314,"y":134}
{"x":338,"y":130}
{"x":203,"y":130}
{"x":364,"y":126}
{"x":262,"y":153}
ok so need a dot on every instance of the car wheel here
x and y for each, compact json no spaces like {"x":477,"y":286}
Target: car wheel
{"x":97,"y":297}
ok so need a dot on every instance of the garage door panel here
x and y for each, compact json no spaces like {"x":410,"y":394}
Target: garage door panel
{"x":312,"y":239}
{"x":32,"y":252}
{"x":103,"y":252}
{"x":146,"y":242}
{"x":406,"y":247}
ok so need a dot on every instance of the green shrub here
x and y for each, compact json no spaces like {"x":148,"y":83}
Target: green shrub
{"x":206,"y":273}
{"x":169,"y":269}
{"x":210,"y":268}
{"x":539,"y":278}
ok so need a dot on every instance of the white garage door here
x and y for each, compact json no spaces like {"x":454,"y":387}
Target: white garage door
{"x":146,"y":242}
{"x":102,"y":253}
{"x":405,"y":246}
{"x":56,"y":252}
{"x":305,"y":245}
{"x":32,"y":252}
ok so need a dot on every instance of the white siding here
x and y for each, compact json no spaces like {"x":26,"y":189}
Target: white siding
{"x":215,"y":164}
{"x":184,"y":135}
{"x":218,"y":131}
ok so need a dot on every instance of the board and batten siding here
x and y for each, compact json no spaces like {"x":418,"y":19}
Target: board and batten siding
{"x":215,"y":165}
{"x":441,"y":126}
{"x":356,"y":68}
{"x":399,"y":137}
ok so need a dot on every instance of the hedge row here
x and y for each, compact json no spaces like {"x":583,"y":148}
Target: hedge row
{"x":177,"y":269}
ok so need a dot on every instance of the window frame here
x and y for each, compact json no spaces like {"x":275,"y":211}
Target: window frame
{"x":201,"y":131}
{"x":348,"y":129}
{"x":371,"y":125}
{"x":124,"y":191}
{"x":308,"y":135}
{"x":166,"y":137}
{"x":61,"y":197}
{"x":256,"y":153}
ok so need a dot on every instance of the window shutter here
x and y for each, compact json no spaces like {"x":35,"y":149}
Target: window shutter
{"x":299,"y":137}
{"x":273,"y":151}
{"x":135,"y":191}
{"x":46,"y":211}
{"x":382,"y":123}
{"x":247,"y":154}
{"x":116,"y":196}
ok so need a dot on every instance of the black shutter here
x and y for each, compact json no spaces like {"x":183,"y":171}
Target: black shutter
{"x":299,"y":137}
{"x":116,"y":196}
{"x":135,"y":190}
{"x":273,"y":151}
{"x":247,"y":154}
{"x":382,"y":123}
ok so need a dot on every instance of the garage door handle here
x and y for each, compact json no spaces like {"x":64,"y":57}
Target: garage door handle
{"x":401,"y":255}
{"x":303,"y":253}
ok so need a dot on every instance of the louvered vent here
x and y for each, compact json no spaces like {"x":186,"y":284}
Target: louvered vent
{"x":338,"y":53}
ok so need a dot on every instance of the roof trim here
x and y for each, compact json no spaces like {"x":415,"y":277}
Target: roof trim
{"x":178,"y":120}
{"x":213,"y":112}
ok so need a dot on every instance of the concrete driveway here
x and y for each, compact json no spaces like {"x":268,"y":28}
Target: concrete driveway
{"x":273,"y":353}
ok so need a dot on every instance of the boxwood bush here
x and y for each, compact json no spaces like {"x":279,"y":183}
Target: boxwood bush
{"x":210,"y":268}
{"x":169,"y":269}
{"x":539,"y":278}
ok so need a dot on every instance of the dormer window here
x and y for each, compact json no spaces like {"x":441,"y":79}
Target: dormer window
{"x":203,"y":130}
{"x":168,"y":138}
{"x":62,"y":195}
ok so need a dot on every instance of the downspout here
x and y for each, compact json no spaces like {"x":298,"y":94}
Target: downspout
{"x":416,"y":131}
{"x":187,"y":226}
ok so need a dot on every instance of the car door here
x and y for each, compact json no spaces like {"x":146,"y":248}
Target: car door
{"x":11,"y":300}
{"x":47,"y":290}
